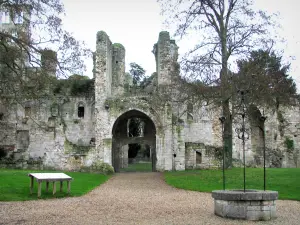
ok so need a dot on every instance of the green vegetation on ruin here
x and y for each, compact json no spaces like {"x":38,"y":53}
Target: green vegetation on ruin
{"x":284,"y":180}
{"x":289,"y":144}
{"x":14,"y":185}
{"x":118,"y":45}
{"x":75,"y":85}
{"x":75,"y":149}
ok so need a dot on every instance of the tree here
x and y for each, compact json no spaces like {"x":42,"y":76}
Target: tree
{"x":268,"y":80}
{"x":137,"y":72}
{"x":35,"y":49}
{"x":224,"y":28}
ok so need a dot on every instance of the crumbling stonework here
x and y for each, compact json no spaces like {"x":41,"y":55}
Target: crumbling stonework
{"x":72,"y":132}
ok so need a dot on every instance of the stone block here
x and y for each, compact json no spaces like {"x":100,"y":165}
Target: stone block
{"x":267,"y":203}
{"x":258,"y":215}
{"x":266,"y":208}
{"x":219,"y":208}
{"x":256,"y":202}
{"x":251,"y":196}
{"x":237,"y":212}
{"x":273,"y":212}
{"x":232,"y":196}
{"x":217,"y":195}
{"x":254,"y":208}
{"x":270,"y":195}
{"x":252,"y":215}
{"x":266,"y":215}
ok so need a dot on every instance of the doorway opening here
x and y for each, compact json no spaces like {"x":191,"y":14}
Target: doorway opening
{"x":134,"y":143}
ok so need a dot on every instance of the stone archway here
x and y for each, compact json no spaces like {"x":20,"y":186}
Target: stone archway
{"x":121,"y":138}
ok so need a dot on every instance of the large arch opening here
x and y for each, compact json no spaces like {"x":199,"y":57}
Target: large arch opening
{"x":134,"y":142}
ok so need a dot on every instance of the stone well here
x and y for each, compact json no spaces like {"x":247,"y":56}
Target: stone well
{"x":248,"y":205}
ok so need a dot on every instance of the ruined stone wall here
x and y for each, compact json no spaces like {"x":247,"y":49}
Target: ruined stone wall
{"x":166,"y":54}
{"x":118,"y":69}
{"x":103,"y":87}
{"x":53,"y":132}
{"x":281,"y":135}
{"x":47,"y":133}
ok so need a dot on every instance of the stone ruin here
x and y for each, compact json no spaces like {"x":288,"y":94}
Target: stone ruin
{"x":73,"y":131}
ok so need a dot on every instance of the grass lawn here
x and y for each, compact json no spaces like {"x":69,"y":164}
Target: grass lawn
{"x":138,"y":167}
{"x":14,"y":185}
{"x":285,"y":181}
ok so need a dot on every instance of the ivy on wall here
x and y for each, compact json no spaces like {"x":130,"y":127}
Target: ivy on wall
{"x":289,"y":144}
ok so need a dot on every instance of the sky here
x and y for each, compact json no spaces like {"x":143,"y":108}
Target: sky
{"x":137,"y":23}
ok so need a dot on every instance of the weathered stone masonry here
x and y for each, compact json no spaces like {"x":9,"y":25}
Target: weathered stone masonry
{"x":53,"y":132}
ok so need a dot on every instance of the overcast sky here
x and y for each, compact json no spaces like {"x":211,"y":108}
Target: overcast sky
{"x":137,"y":23}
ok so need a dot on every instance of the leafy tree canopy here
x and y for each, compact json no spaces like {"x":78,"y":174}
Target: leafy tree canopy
{"x":267,"y":79}
{"x":137,"y":72}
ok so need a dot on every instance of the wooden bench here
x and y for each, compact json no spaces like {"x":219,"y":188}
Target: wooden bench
{"x":49,"y":177}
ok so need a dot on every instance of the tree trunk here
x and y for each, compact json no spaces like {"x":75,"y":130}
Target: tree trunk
{"x":227,"y":134}
{"x":225,"y":103}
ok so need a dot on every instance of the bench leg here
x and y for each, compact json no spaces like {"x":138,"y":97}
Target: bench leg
{"x":69,"y":186}
{"x":47,"y":186}
{"x":54,"y":188}
{"x":39,"y":189}
{"x":31,"y":184}
{"x":61,"y":186}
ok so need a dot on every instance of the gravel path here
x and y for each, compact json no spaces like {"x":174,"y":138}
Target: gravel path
{"x":132,"y":198}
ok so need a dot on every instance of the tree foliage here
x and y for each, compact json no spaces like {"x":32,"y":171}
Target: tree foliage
{"x":137,"y":72}
{"x":75,"y":85}
{"x":267,"y":79}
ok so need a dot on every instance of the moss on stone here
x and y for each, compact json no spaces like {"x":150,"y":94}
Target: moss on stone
{"x":118,"y":45}
{"x":179,"y":128}
{"x":101,"y":33}
{"x":71,"y":148}
{"x":107,"y":142}
{"x":289,"y":143}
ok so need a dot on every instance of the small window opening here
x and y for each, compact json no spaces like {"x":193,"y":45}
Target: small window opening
{"x":18,"y":18}
{"x":190,"y":112}
{"x":27,"y":111}
{"x":1,"y":116}
{"x":80,"y":111}
{"x":5,"y":17}
{"x":117,"y":62}
{"x":198,"y":158}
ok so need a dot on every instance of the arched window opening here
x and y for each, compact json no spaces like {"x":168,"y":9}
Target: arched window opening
{"x":27,"y":111}
{"x":80,"y":110}
{"x":190,"y":110}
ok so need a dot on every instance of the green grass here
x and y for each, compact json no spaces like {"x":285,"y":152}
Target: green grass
{"x":14,"y":185}
{"x":138,"y":167}
{"x":285,"y":181}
